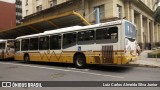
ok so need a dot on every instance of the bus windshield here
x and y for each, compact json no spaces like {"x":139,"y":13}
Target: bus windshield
{"x":130,"y":31}
{"x":10,"y":44}
{"x":2,"y":45}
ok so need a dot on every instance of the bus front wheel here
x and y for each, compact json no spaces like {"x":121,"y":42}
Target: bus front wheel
{"x":80,"y":61}
{"x":26,"y":58}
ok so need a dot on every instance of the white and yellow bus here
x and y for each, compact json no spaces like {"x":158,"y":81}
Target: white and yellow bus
{"x":7,"y":49}
{"x":112,"y":42}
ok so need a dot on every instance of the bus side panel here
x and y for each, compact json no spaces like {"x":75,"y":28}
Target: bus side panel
{"x":96,"y":58}
{"x":35,"y":56}
{"x":9,"y":55}
{"x":93,"y":57}
{"x":55,"y":56}
{"x":67,"y":56}
{"x":18,"y":56}
{"x":45,"y":56}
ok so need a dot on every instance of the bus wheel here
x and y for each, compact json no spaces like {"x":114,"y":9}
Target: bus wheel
{"x":80,"y":61}
{"x":26,"y":58}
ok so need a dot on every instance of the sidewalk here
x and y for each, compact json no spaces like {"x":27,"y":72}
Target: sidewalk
{"x":146,"y":62}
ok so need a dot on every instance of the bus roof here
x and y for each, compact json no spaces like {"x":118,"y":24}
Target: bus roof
{"x":1,"y":40}
{"x":73,"y":28}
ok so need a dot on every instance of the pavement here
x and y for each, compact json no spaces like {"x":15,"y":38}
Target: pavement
{"x":40,"y":71}
{"x":36,"y":71}
{"x":144,"y":61}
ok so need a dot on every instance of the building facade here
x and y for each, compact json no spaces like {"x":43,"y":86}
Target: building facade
{"x":139,"y":12}
{"x":34,"y":6}
{"x":18,"y":11}
{"x":7,"y":15}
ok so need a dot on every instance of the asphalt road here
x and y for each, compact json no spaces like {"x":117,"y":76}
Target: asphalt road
{"x":19,"y":71}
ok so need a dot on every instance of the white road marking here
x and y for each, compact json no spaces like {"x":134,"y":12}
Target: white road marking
{"x":57,"y":69}
{"x":78,"y":69}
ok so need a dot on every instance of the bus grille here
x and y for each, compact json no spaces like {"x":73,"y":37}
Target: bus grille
{"x":107,"y":54}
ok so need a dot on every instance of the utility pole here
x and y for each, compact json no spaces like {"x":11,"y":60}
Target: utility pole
{"x":97,"y":16}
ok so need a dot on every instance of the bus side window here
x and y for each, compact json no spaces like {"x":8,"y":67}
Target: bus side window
{"x":17,"y":46}
{"x":113,"y":31}
{"x":44,"y":43}
{"x":69,"y":39}
{"x":55,"y":42}
{"x":25,"y":44}
{"x":102,"y":34}
{"x":86,"y":37}
{"x":107,"y":35}
{"x":33,"y":44}
{"x":2,"y":45}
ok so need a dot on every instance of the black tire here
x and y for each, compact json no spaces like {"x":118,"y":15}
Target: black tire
{"x":26,"y":58}
{"x":80,"y":61}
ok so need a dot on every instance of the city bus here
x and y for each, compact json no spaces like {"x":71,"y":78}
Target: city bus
{"x":109,"y":43}
{"x":7,"y":49}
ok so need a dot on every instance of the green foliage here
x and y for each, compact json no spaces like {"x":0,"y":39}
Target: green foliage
{"x":155,"y":54}
{"x":157,"y":14}
{"x":157,"y":44}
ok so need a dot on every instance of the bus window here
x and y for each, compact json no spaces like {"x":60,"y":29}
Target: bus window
{"x":107,"y":35}
{"x":55,"y":42}
{"x":17,"y":45}
{"x":33,"y":44}
{"x":69,"y":39}
{"x":11,"y":44}
{"x":113,"y":31}
{"x":86,"y":37}
{"x":44,"y":43}
{"x":2,"y":45}
{"x":25,"y":44}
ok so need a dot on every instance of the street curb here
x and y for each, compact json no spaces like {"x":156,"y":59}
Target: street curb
{"x":144,"y":65}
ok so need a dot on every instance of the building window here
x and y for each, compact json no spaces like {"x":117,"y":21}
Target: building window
{"x":39,"y":8}
{"x":26,"y":2}
{"x":26,"y":12}
{"x":136,"y":17}
{"x":119,"y":11}
{"x":53,"y":3}
{"x":101,"y":11}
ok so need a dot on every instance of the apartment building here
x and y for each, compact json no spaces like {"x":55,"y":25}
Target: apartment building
{"x":18,"y":12}
{"x":7,"y":15}
{"x":140,"y":12}
{"x":34,"y":6}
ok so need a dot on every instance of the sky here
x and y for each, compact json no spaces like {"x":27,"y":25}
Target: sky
{"x":10,"y":1}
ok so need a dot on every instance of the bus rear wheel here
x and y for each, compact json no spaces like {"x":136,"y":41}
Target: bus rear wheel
{"x":26,"y":58}
{"x":80,"y":61}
